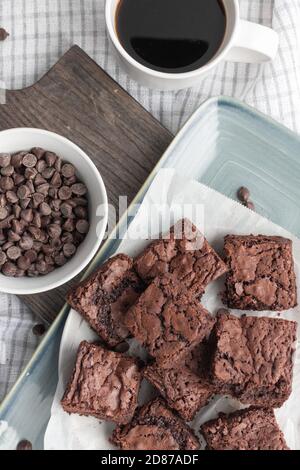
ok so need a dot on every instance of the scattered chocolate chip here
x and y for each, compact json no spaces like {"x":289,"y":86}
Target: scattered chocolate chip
{"x":38,"y":152}
{"x":24,"y":445}
{"x":9,"y":269}
{"x":3,"y":34}
{"x":23,"y":192}
{"x":11,"y":197}
{"x":250,"y":205}
{"x":13,"y":253}
{"x":39,"y":329}
{"x":243,"y":194}
{"x":6,"y":183}
{"x":68,"y":170}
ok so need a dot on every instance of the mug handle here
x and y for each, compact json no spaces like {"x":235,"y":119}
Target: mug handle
{"x":253,"y":43}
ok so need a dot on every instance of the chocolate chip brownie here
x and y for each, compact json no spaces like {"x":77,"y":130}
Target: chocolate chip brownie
{"x":167,"y":322}
{"x":184,"y":252}
{"x":104,"y":297}
{"x":104,"y":384}
{"x":184,"y":390}
{"x":261,"y":273}
{"x":250,"y":429}
{"x":252,"y":358}
{"x":155,"y":427}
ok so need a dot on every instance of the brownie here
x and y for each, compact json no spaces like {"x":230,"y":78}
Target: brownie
{"x":252,"y":358}
{"x":104,"y":384}
{"x":250,"y":429}
{"x":167,"y":322}
{"x":183,"y":389}
{"x":261,"y":273}
{"x":155,"y":427}
{"x":105,"y":296}
{"x":185,"y":252}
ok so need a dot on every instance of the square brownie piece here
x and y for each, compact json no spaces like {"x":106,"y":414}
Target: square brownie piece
{"x":155,"y":427}
{"x":182,"y":388}
{"x":250,"y":429}
{"x":253,"y":358}
{"x":184,"y":252}
{"x":261,"y":273}
{"x":105,"y":296}
{"x":104,"y":384}
{"x":167,"y":322}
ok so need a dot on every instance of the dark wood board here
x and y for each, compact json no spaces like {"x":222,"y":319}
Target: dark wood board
{"x":78,"y":100}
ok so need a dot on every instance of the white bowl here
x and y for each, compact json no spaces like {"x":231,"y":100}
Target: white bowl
{"x":14,"y":140}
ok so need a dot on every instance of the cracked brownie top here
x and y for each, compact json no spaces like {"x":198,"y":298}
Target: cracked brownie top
{"x":104,"y":297}
{"x":155,"y":427}
{"x":104,"y":384}
{"x":250,"y":429}
{"x":261,"y":273}
{"x":185,"y":253}
{"x":253,"y":358}
{"x":168,"y":322}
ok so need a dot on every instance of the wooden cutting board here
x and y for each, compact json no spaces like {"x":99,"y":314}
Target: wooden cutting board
{"x":78,"y":100}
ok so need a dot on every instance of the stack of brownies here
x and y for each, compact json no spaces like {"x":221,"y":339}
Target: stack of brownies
{"x":192,"y":354}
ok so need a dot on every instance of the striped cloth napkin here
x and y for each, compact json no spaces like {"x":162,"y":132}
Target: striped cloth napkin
{"x":42,"y":30}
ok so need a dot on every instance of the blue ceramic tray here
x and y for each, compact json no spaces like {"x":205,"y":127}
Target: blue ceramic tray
{"x":225,"y":144}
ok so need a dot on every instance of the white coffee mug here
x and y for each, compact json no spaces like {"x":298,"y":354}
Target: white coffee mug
{"x":243,"y":42}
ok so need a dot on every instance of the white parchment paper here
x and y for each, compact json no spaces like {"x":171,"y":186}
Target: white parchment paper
{"x":217,"y":216}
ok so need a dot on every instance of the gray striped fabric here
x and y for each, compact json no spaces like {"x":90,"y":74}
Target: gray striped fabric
{"x":42,"y":30}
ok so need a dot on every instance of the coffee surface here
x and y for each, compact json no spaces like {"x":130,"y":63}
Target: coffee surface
{"x":173,"y":36}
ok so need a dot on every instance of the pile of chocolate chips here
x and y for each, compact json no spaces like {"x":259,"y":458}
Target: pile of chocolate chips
{"x":43,"y":212}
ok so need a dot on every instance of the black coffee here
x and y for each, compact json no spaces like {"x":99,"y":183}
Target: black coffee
{"x":171,"y":36}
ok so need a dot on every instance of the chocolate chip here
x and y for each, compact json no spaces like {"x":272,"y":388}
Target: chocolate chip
{"x":39,"y":329}
{"x":17,"y":159}
{"x":3,"y":34}
{"x":48,"y":172}
{"x":16,"y":225}
{"x":11,"y":197}
{"x":81,"y":212}
{"x":6,"y":183}
{"x":24,"y":203}
{"x":5,"y":223}
{"x":3,"y":257}
{"x":27,"y":215}
{"x":68,"y":170}
{"x":13,"y":236}
{"x":66,"y":210}
{"x":18,"y":179}
{"x":31,"y":255}
{"x":69,"y":225}
{"x":29,"y":160}
{"x":37,"y":199}
{"x":60,"y":259}
{"x":23,"y":262}
{"x":13,"y":252}
{"x":41,"y":266}
{"x":58,"y":164}
{"x":45,"y":209}
{"x":54,"y":231}
{"x":38,"y":152}
{"x":70,"y":181}
{"x":17,"y":210}
{"x":43,"y":188}
{"x":79,"y":189}
{"x":64,"y":193}
{"x":243,"y":194}
{"x":56,"y":180}
{"x":250,"y":205}
{"x":9,"y":269}
{"x":7,"y":171}
{"x":69,"y":249}
{"x":122,"y":347}
{"x":5,"y":159}
{"x":55,"y":204}
{"x":50,"y":158}
{"x":45,"y":221}
{"x":3,"y":213}
{"x":26,"y":243}
{"x":23,"y":192}
{"x":30,"y":173}
{"x":24,"y":445}
{"x":41,"y":165}
{"x":82,"y":226}
{"x":37,"y":220}
{"x":3,"y":200}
